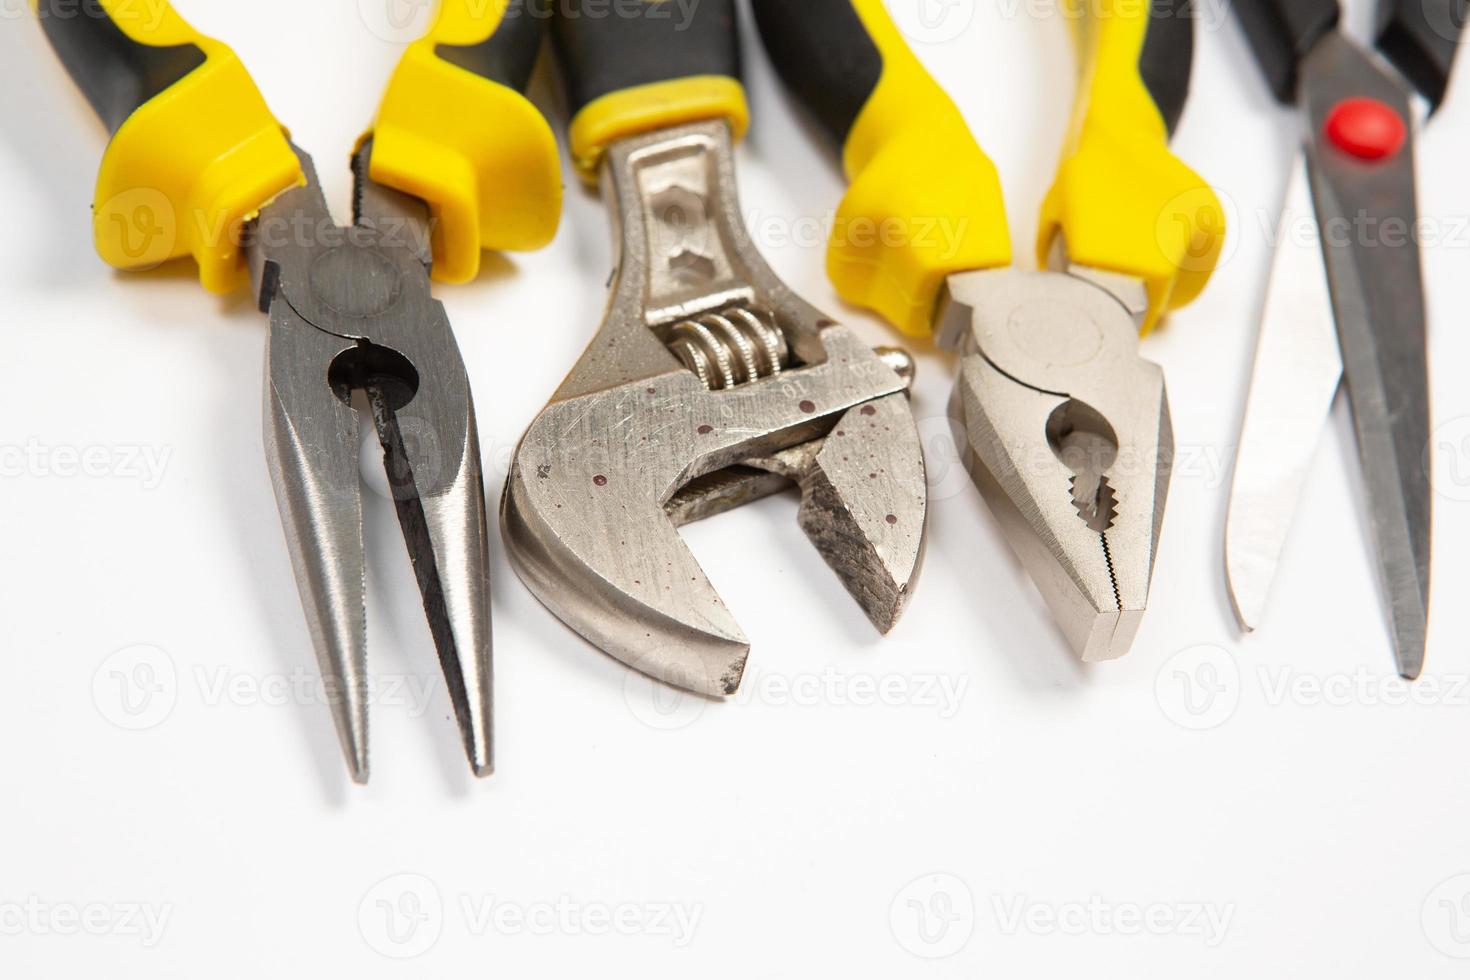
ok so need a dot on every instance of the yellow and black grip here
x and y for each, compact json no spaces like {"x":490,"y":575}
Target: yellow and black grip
{"x":645,"y":66}
{"x":1121,"y":201}
{"x":924,"y":200}
{"x":455,"y":130}
{"x":195,"y":151}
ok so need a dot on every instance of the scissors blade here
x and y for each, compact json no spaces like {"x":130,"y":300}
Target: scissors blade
{"x":1296,"y":375}
{"x":1376,"y":282}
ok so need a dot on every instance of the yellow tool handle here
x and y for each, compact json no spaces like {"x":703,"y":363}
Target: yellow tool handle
{"x":1121,"y":200}
{"x":924,"y":200}
{"x":195,"y":151}
{"x":644,"y":66}
{"x":455,"y":130}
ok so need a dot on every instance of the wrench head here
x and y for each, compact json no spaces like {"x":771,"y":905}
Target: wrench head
{"x":708,"y":384}
{"x":1066,"y":432}
{"x":601,"y":481}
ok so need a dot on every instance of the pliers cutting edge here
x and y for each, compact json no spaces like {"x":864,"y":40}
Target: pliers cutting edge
{"x":196,"y":156}
{"x":1348,"y":309}
{"x":1063,"y":426}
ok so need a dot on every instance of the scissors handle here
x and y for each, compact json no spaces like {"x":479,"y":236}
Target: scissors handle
{"x":1421,"y":38}
{"x":1281,"y":32}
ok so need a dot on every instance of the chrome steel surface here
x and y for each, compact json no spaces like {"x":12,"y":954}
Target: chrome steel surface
{"x":351,"y":311}
{"x":1066,"y":431}
{"x":1296,"y":375}
{"x":635,"y":441}
{"x":1368,"y":213}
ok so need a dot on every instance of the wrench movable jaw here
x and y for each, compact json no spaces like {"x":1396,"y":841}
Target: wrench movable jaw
{"x":864,"y":503}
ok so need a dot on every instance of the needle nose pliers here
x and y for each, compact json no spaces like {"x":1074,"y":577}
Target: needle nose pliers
{"x":457,"y":161}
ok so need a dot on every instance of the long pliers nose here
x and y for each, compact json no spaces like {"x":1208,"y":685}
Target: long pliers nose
{"x":196,"y":155}
{"x":357,"y":316}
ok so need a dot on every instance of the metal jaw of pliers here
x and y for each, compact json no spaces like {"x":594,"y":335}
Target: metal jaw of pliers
{"x":351,"y":311}
{"x":709,"y":384}
{"x":1065,"y":429}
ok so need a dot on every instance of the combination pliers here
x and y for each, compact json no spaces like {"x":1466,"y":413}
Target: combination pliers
{"x":1062,"y":424}
{"x":457,"y":161}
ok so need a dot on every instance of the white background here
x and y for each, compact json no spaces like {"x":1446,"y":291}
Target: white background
{"x":1208,"y":806}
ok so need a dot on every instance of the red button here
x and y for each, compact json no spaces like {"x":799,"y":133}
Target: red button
{"x":1366,"y":128}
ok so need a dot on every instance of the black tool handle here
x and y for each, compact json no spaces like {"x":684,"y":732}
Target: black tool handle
{"x":1281,"y":32}
{"x":1167,"y":58}
{"x":116,"y":72}
{"x":1421,"y":38}
{"x":834,"y":63}
{"x":908,"y":155}
{"x":508,"y":55}
{"x":825,"y":55}
{"x":607,"y":49}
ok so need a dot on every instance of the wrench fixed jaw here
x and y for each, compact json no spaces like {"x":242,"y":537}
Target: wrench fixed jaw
{"x":1065,"y":430}
{"x":594,"y":497}
{"x":707,"y":378}
{"x":596,"y":546}
{"x":353,"y":313}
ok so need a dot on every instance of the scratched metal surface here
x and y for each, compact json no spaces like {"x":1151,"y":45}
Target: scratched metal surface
{"x":960,"y":798}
